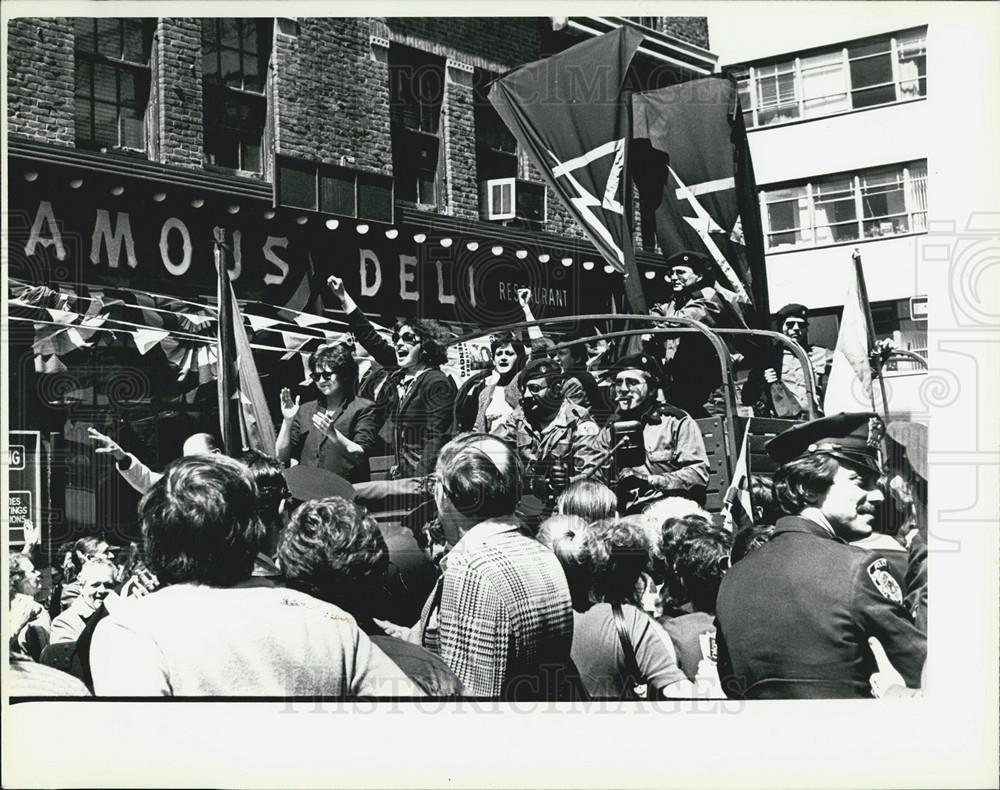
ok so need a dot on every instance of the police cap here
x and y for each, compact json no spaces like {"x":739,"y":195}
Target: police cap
{"x":309,"y":482}
{"x":852,"y":438}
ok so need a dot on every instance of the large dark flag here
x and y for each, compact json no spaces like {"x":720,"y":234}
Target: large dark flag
{"x":569,"y":114}
{"x":691,"y":163}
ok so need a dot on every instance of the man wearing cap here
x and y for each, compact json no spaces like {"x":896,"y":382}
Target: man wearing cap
{"x":795,"y":616}
{"x":555,"y":439}
{"x":692,"y":363}
{"x":676,"y":461}
{"x":793,"y":322}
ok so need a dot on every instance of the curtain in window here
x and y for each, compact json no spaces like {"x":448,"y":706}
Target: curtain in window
{"x":824,"y":84}
{"x":916,"y":195}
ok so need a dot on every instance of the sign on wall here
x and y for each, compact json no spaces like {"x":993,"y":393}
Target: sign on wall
{"x":73,"y":225}
{"x":24,"y":500}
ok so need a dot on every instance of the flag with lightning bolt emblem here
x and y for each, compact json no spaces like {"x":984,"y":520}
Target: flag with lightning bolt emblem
{"x":568,"y":113}
{"x":691,"y":163}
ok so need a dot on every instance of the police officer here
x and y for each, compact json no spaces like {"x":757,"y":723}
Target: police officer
{"x":795,"y":616}
{"x":676,"y":463}
{"x":556,"y":439}
{"x":691,"y":361}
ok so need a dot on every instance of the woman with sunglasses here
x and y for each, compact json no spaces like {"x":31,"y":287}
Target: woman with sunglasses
{"x":416,"y":398}
{"x":337,"y":432}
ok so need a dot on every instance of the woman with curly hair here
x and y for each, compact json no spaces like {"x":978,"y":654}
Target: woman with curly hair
{"x":337,"y":432}
{"x":620,"y":651}
{"x":417,"y":398}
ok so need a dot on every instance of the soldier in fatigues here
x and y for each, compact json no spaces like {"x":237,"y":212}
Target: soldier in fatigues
{"x":795,"y":616}
{"x":676,"y":461}
{"x":793,"y":322}
{"x":555,"y":439}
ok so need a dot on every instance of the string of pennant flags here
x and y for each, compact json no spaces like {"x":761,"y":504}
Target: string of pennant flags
{"x":66,"y":319}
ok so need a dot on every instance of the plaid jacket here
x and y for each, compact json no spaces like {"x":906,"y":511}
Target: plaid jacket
{"x":500,"y":615}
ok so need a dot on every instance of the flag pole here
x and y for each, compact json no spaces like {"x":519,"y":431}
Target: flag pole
{"x":224,"y":376}
{"x":870,"y":326}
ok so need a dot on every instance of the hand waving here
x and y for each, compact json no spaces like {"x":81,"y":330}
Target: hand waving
{"x":289,"y":408}
{"x":105,"y":444}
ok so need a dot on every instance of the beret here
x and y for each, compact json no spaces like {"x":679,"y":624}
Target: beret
{"x":792,"y":310}
{"x":695,"y":260}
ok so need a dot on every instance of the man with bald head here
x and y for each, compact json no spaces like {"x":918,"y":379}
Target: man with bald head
{"x":500,"y":615}
{"x":135,"y":472}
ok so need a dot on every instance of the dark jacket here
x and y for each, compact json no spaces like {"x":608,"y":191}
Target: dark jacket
{"x":355,"y":419}
{"x":794,"y":618}
{"x":416,"y":427}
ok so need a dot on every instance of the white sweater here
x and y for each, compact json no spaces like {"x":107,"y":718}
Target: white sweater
{"x":193,"y":640}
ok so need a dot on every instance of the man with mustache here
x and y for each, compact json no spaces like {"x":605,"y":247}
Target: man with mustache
{"x":555,"y":439}
{"x":795,"y":616}
{"x":676,"y":460}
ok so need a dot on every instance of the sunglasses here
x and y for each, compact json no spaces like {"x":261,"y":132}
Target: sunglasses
{"x":325,"y":374}
{"x":409,"y":338}
{"x":536,"y":389}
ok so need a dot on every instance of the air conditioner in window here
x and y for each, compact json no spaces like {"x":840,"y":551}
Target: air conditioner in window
{"x":512,"y":198}
{"x":132,"y":134}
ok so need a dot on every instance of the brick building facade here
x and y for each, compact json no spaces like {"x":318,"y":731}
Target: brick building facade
{"x":356,"y":146}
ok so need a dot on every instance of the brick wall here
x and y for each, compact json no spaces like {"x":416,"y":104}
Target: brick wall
{"x":693,"y":29}
{"x":331,"y":93}
{"x":40,"y":80}
{"x":485,"y":42}
{"x":176,"y":65}
{"x":459,"y":129}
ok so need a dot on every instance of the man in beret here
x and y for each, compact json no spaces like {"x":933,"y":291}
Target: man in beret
{"x":692,"y":364}
{"x":793,"y":322}
{"x":676,"y":463}
{"x":795,"y":616}
{"x":555,"y":439}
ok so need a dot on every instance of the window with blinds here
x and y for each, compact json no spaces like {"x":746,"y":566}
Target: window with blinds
{"x":868,"y":204}
{"x":865,"y":73}
{"x":112,"y":76}
{"x":235,"y":53}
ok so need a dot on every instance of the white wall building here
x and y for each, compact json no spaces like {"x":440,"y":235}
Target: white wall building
{"x":838,"y":118}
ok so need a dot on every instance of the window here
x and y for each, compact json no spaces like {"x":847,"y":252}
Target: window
{"x":496,"y":148}
{"x":416,"y":91}
{"x":234,"y":56}
{"x":331,"y":189}
{"x":884,"y":201}
{"x":861,"y":74}
{"x":112,"y":82}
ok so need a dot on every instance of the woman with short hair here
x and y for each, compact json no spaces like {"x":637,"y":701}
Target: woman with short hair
{"x":500,"y":395}
{"x":337,"y":432}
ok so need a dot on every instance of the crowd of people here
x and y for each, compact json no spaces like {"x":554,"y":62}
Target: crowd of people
{"x":561,"y":549}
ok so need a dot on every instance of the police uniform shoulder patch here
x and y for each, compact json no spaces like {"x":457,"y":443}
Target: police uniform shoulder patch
{"x":885,"y":582}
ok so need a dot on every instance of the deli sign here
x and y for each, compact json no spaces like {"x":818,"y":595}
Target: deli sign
{"x":77,"y":226}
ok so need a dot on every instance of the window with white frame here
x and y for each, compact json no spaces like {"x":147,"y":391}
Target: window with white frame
{"x":866,"y":73}
{"x":112,"y":79}
{"x":869,"y":204}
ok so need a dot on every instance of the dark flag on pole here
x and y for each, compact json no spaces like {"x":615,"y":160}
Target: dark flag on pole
{"x":569,"y":114}
{"x":691,"y":163}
